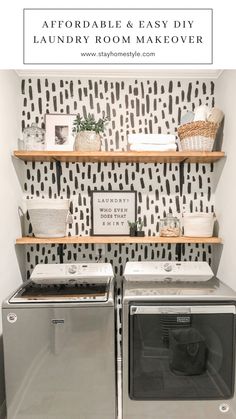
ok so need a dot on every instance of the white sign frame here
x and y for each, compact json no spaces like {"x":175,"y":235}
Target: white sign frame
{"x":111,"y":211}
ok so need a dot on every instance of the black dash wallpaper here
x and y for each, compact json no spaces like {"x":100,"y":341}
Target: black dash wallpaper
{"x":132,"y":106}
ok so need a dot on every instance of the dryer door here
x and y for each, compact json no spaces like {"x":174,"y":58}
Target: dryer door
{"x":181,"y":352}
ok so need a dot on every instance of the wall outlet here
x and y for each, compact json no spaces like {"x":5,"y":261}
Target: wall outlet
{"x":100,"y":252}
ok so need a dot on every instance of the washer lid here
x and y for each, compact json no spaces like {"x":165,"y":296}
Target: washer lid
{"x":84,"y":292}
{"x":168,"y":271}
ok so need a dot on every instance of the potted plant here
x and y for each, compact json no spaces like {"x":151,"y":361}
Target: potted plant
{"x":140,"y":224}
{"x":88,"y":131}
{"x":132,"y":228}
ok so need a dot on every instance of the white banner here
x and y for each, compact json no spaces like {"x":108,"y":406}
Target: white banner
{"x":118,"y":36}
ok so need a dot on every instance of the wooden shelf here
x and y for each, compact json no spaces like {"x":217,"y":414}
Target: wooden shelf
{"x":119,"y":240}
{"x":121,"y":156}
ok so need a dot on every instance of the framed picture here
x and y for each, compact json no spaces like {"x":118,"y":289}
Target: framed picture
{"x":111,"y":211}
{"x":59,"y":135}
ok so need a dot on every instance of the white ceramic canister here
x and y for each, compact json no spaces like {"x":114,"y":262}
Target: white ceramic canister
{"x":198,"y":224}
{"x":87,"y":141}
{"x":49,"y":217}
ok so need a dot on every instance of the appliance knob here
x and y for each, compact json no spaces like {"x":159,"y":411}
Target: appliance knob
{"x":167,"y":267}
{"x":72,"y":269}
{"x":72,"y":281}
{"x":167,"y":279}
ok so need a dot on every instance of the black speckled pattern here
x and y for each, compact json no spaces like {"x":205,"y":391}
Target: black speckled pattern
{"x":133,"y":106}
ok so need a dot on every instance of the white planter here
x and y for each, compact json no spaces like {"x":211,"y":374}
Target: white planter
{"x":87,"y":141}
{"x":198,"y":224}
{"x":48,"y":217}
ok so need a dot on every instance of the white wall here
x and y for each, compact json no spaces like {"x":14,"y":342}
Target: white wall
{"x":226,"y":187}
{"x":11,"y":194}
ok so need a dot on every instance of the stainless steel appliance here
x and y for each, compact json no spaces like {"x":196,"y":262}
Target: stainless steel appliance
{"x":178,"y":342}
{"x":59,"y":344}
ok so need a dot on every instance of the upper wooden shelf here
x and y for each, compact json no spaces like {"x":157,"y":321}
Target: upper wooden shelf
{"x":118,"y":240}
{"x":121,"y":156}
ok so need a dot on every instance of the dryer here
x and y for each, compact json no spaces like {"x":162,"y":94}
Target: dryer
{"x":178,"y":342}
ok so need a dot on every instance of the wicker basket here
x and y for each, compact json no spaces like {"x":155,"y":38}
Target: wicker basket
{"x":197,"y":136}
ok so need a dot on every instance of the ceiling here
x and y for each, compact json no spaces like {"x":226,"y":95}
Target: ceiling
{"x":127,"y":73}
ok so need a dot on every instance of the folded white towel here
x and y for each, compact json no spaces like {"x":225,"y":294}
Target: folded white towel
{"x":201,"y":113}
{"x":153,"y":147}
{"x":151,"y":139}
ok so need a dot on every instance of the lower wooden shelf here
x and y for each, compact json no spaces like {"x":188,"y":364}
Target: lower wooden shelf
{"x":119,"y":240}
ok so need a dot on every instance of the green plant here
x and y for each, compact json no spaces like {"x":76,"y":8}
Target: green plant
{"x":132,"y":224}
{"x":88,"y":123}
{"x":140,"y":225}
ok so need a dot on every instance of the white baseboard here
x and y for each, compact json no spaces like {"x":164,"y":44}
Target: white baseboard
{"x":3,"y":410}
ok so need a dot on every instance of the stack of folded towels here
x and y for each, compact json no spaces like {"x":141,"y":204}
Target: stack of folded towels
{"x":152,"y":142}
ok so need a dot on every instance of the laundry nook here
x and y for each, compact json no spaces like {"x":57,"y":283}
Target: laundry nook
{"x":118,"y":242}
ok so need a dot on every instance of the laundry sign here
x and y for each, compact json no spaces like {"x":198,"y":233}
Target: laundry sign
{"x":118,"y":36}
{"x":111,"y":211}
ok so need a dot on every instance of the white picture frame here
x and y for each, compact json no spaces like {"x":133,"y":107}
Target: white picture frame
{"x":59,"y":132}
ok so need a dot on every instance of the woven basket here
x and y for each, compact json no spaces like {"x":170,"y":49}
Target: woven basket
{"x":48,"y":216}
{"x":198,"y":136}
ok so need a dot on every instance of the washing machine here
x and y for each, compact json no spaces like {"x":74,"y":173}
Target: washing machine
{"x":59,"y":344}
{"x":178,"y":342}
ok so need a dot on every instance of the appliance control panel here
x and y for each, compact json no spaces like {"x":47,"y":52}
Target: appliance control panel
{"x":168,"y":270}
{"x":63,"y":273}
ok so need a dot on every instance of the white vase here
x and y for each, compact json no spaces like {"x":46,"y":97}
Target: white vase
{"x":87,"y":141}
